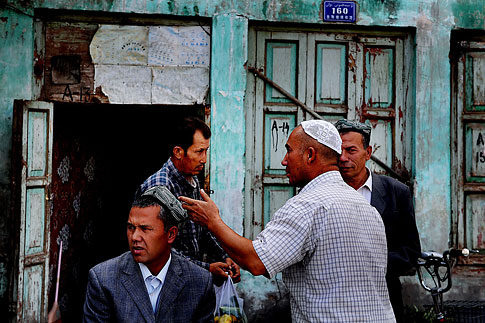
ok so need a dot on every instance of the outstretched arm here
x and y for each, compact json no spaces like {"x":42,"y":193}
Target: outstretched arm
{"x":240,"y":249}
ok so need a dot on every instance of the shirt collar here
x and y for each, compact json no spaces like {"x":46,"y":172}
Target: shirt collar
{"x":179,"y":177}
{"x":145,"y":272}
{"x":327,"y":176}
{"x":368,"y":182}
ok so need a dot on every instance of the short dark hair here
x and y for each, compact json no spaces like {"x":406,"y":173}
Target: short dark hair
{"x":330,"y":154}
{"x":164,"y":214}
{"x":184,"y":132}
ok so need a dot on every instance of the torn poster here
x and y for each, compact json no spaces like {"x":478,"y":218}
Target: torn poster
{"x":152,"y":65}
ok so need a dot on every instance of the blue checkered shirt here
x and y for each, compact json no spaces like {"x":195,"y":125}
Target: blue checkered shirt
{"x":330,"y":245}
{"x":193,"y":240}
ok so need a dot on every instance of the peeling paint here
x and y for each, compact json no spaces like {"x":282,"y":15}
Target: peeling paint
{"x":170,"y":5}
{"x":469,"y":14}
{"x":228,"y":118}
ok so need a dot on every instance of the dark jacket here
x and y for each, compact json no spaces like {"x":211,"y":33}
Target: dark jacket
{"x":393,"y":201}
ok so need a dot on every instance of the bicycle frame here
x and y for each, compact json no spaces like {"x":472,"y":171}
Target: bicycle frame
{"x":438,"y":267}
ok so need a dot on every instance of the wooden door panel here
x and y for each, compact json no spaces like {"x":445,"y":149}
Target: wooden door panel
{"x":330,"y":73}
{"x":275,"y":196}
{"x":381,"y":143}
{"x":35,"y":221}
{"x":37,"y":145}
{"x":475,"y":81}
{"x":35,"y":131}
{"x":281,"y":55}
{"x":327,"y":75}
{"x":281,"y":67}
{"x":475,"y":224}
{"x":33,"y":294}
{"x":383,"y":104}
{"x":379,"y":83}
{"x":475,"y":152}
{"x":277,"y":128}
{"x":468,"y":138}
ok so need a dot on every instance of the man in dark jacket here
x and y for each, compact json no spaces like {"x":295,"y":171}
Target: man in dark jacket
{"x":391,"y":198}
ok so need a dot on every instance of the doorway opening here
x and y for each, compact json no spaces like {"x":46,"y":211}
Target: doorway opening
{"x":101,"y":154}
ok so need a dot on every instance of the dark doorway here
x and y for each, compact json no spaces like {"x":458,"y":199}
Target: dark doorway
{"x":101,"y":154}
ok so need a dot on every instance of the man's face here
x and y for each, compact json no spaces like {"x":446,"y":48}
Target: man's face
{"x":148,"y":241}
{"x":194,"y":159}
{"x":353,"y":158}
{"x":294,"y":159}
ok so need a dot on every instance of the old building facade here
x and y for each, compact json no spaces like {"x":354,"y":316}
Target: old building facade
{"x":90,"y":91}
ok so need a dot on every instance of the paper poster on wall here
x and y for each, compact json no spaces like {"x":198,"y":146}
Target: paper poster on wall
{"x":124,"y":84}
{"x":152,"y":65}
{"x":120,"y":45}
{"x":171,"y":85}
{"x":178,"y":46}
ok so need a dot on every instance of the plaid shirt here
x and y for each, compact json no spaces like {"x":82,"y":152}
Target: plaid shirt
{"x":193,"y":241}
{"x":330,"y":245}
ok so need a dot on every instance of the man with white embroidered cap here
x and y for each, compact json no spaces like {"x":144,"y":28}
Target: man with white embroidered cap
{"x":327,"y":240}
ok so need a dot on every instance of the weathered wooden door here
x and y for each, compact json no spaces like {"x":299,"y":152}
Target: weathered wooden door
{"x":36,"y":139}
{"x":468,"y":138}
{"x":337,"y":75}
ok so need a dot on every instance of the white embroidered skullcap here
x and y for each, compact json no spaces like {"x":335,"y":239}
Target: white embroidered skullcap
{"x":324,"y":132}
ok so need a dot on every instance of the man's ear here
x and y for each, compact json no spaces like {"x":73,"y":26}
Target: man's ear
{"x":172,"y":234}
{"x":368,"y":152}
{"x":312,"y":154}
{"x":178,"y":152}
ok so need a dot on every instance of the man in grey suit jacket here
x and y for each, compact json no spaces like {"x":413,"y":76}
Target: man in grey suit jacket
{"x":150,"y":283}
{"x":391,"y":198}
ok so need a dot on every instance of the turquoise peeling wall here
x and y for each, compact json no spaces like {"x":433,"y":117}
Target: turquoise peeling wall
{"x":433,"y":21}
{"x":228,"y":85}
{"x":16,"y":47}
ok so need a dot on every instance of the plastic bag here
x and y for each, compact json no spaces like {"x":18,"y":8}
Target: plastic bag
{"x":229,"y":307}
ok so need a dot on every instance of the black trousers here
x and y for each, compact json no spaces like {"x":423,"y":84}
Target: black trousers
{"x":395,"y":296}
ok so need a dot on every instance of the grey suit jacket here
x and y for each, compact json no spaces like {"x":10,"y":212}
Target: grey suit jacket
{"x":116,"y":292}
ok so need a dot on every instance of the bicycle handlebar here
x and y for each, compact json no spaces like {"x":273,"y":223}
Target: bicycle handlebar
{"x":438,"y":267}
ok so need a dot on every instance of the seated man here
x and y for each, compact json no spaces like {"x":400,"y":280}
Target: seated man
{"x":149,"y":283}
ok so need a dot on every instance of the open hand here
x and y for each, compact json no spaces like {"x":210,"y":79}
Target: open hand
{"x":203,"y":212}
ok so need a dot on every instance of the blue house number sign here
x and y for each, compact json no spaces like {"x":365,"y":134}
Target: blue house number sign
{"x":340,"y":11}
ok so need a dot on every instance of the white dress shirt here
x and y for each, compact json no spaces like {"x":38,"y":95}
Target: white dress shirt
{"x":366,"y":189}
{"x":154,"y":284}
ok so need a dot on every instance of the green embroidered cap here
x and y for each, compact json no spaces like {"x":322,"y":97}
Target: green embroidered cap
{"x":167,"y":199}
{"x":344,"y":125}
